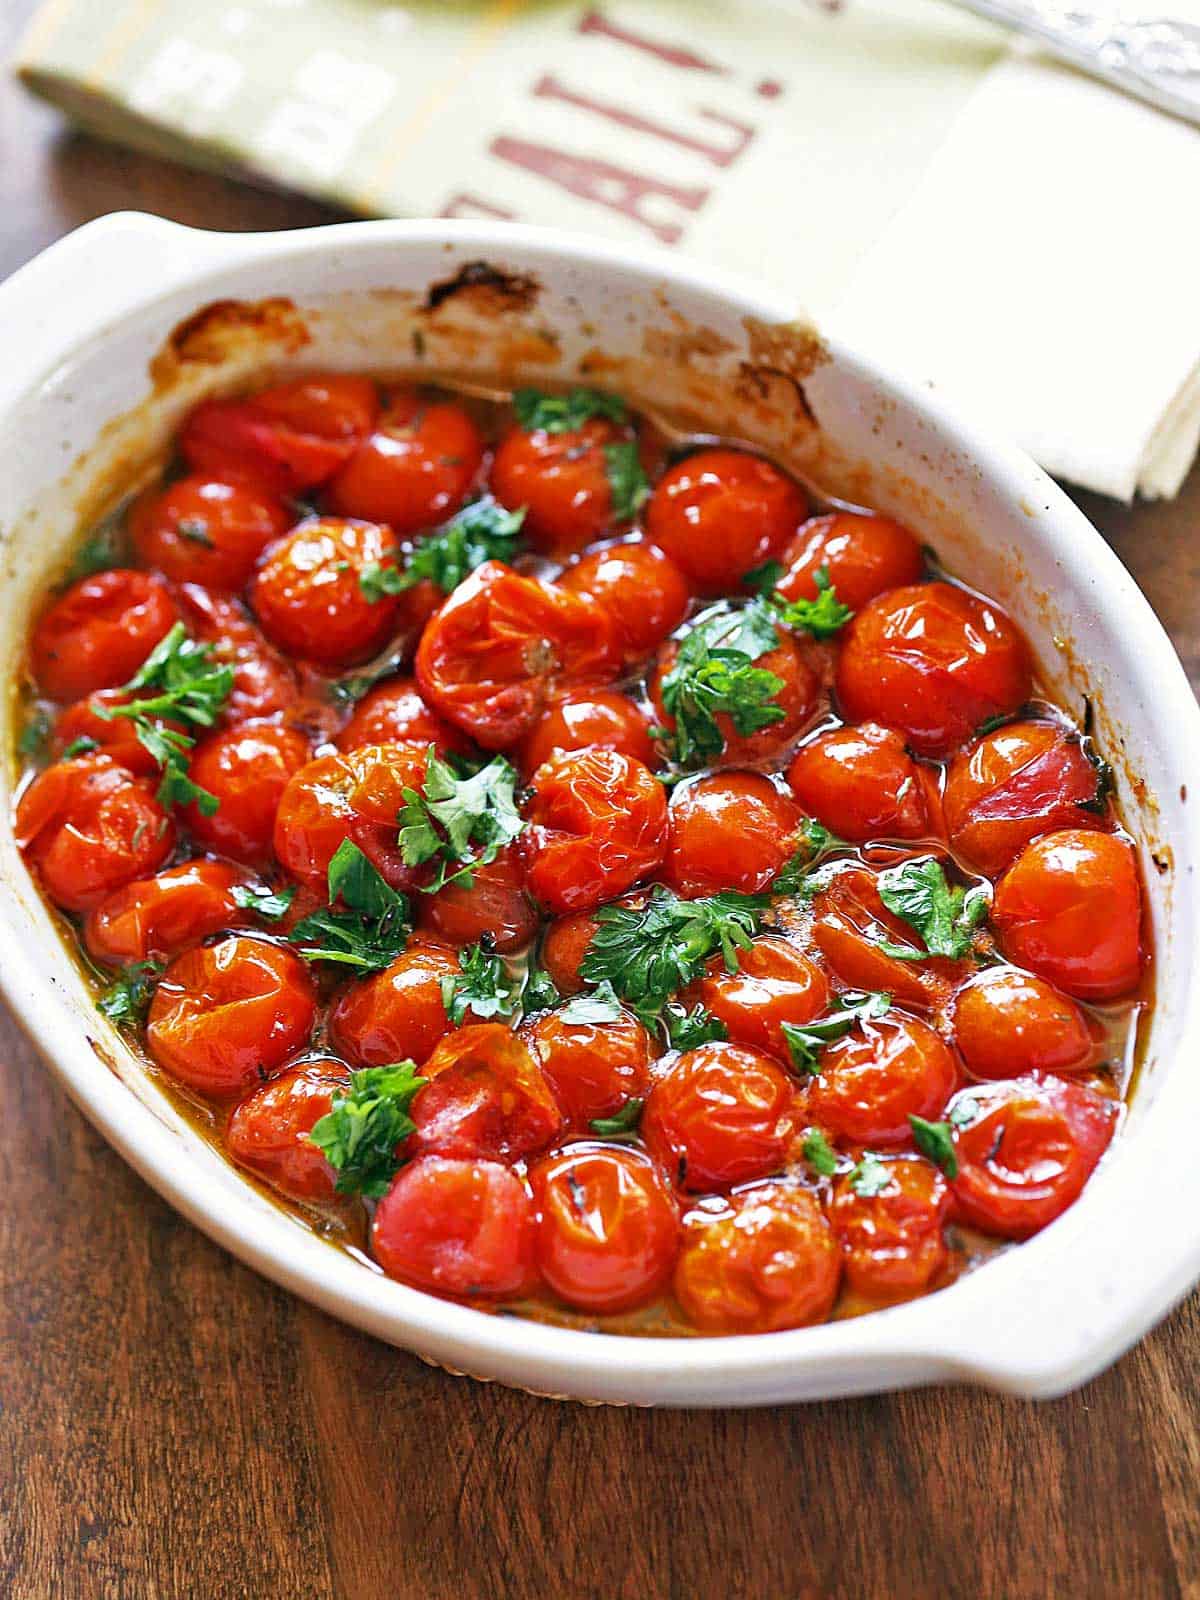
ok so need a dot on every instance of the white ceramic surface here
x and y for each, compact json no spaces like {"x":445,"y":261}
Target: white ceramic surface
{"x":81,"y":325}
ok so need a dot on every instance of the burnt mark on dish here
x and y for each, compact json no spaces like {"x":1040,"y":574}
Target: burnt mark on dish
{"x":756,"y":378}
{"x":489,"y":289}
{"x":211,"y":335}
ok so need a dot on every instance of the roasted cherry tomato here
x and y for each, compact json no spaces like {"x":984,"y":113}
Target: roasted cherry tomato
{"x":398,"y":1013}
{"x":608,"y":1227}
{"x":719,"y":514}
{"x":291,"y":436}
{"x":564,"y":945}
{"x":357,"y":796}
{"x":643,"y":591}
{"x":587,"y":718}
{"x":269,"y":1131}
{"x":850,"y":922}
{"x":562,"y":480}
{"x":893,"y":1243}
{"x":493,"y":906}
{"x":486,"y":1097}
{"x":732,"y":831}
{"x":502,"y":644}
{"x":862,"y":784}
{"x":226,"y":1016}
{"x":594,"y":1068}
{"x":247,"y":768}
{"x":308,"y":594}
{"x":200,"y":530}
{"x":724,"y":1114}
{"x":934,"y":662}
{"x":394,"y":713}
{"x":1032,"y":1144}
{"x":774,"y":983}
{"x":597,"y":825}
{"x":862,"y":556}
{"x":768,"y":1262}
{"x":872,"y":1080}
{"x":456,"y":1227}
{"x":1022,"y":780}
{"x":1070,"y":909}
{"x":1008,"y":1022}
{"x":115,"y":736}
{"x":89,"y":826}
{"x":99,"y":632}
{"x":264,"y":683}
{"x":416,"y":467}
{"x":796,"y":696}
{"x":155,"y":918}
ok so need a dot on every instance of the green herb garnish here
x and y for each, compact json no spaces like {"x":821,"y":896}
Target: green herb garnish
{"x":593,"y":1006}
{"x":805,"y":1041}
{"x":459,"y":822}
{"x":623,"y":1124}
{"x":822,"y":617}
{"x":870,"y":1177}
{"x":126,"y":1001}
{"x":936,"y":1140}
{"x":819,"y":1153}
{"x":359,"y":1134}
{"x":83,"y":746}
{"x":35,"y":733}
{"x":943,"y":917}
{"x":688,"y":1030}
{"x":483,"y":985}
{"x":270,"y":904}
{"x":196,"y":530}
{"x":763,"y":579}
{"x":714,"y":674}
{"x":482,"y":531}
{"x":373,"y":928}
{"x":538,"y":412}
{"x":626,"y":480}
{"x":540,"y":992}
{"x":816,"y":841}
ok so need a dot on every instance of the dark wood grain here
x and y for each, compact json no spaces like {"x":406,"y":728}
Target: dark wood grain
{"x":173,"y":1426}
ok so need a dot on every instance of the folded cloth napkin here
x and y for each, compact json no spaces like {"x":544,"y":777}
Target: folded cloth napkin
{"x":969,"y":212}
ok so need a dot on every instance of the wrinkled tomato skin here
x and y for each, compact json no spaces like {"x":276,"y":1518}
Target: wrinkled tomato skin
{"x":720,"y":513}
{"x":226,"y":1016}
{"x":308,"y":598}
{"x":416,"y":467}
{"x":354,"y":795}
{"x":593,"y":1068}
{"x":562,"y":481}
{"x":1070,"y":909}
{"x":564,"y":945}
{"x":461,"y":1228}
{"x":640,"y":587}
{"x":486,"y":1098}
{"x":797,"y":697}
{"x":116,"y":736}
{"x":494,"y":904}
{"x":397,"y":1013}
{"x":247,"y":768}
{"x":734,"y":830}
{"x":501,"y":646}
{"x":722,"y":1115}
{"x":1008,"y":1022}
{"x":1010,"y":786}
{"x":602,"y":718}
{"x":872,"y":1080}
{"x":289,"y":437}
{"x":849,"y":921}
{"x":933,"y":662}
{"x":394,"y":713}
{"x":200,"y":530}
{"x":770,"y":1262}
{"x":268,"y":1132}
{"x":893,"y":1243}
{"x":864,"y":556}
{"x":1026,"y":1155}
{"x":97,"y":634}
{"x":89,"y":826}
{"x":155,"y":918}
{"x":608,"y":1227}
{"x":264,"y":683}
{"x":597,"y":824}
{"x":862,"y":784}
{"x":774,"y":983}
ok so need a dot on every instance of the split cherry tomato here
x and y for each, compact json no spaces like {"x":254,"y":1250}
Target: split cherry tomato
{"x":769,"y":1262}
{"x":774,"y":984}
{"x":732,"y":831}
{"x":562,"y":480}
{"x":1070,"y":909}
{"x":247,"y":768}
{"x":593,"y":1068}
{"x":269,"y":1131}
{"x":398,"y":1013}
{"x":486,"y":1097}
{"x":862,"y":784}
{"x":354,"y":795}
{"x":850,"y":922}
{"x":455,"y":1227}
{"x":872,"y":1080}
{"x":608,"y":1229}
{"x":115,"y":736}
{"x":394,"y":713}
{"x":308,"y":596}
{"x":724,"y":1114}
{"x":597,"y":825}
{"x":99,"y":632}
{"x":643,"y":591}
{"x":492,"y":906}
{"x":89,"y":826}
{"x":499,"y":648}
{"x":893,"y":1243}
{"x":719,"y":514}
{"x":586,"y":719}
{"x":1008,"y":1022}
{"x":264,"y":683}
{"x":1028,"y":1152}
{"x":416,"y":467}
{"x":864,"y":556}
{"x":1022,"y":780}
{"x":934,"y":662}
{"x":226,"y":1016}
{"x":797,"y":696}
{"x":155,"y":918}
{"x":200,"y":530}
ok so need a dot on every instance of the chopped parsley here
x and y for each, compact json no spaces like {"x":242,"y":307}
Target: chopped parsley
{"x":597,"y":1005}
{"x":483,"y":986}
{"x":626,"y":480}
{"x":623,"y":1124}
{"x":822,"y":617}
{"x":805,"y":1041}
{"x":373,"y":928}
{"x":538,"y":412}
{"x":270,"y":904}
{"x":98,"y":552}
{"x":815,"y":841}
{"x":482,"y":531}
{"x":359,"y":1134}
{"x":714,"y":673}
{"x":540,"y":992}
{"x":870,"y":1177}
{"x":944,"y":918}
{"x":936,"y":1140}
{"x":819,"y":1153}
{"x":687,"y":1030}
{"x":763,"y":579}
{"x":126,"y":1001}
{"x":83,"y":746}
{"x":459,"y":822}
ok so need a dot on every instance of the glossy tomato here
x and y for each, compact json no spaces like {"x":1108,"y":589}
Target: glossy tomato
{"x":200,"y":530}
{"x":486,"y":1097}
{"x":99,"y":632}
{"x":722,"y":1115}
{"x":155,"y":918}
{"x":354,"y":795}
{"x":735,"y":830}
{"x":588,"y":718}
{"x":269,"y":1130}
{"x":593,"y":1068}
{"x":851,"y":922}
{"x":397,"y":1014}
{"x":873,"y":1079}
{"x":115,"y":736}
{"x":247,"y":768}
{"x":640,"y":587}
{"x":393,"y":712}
{"x":494,"y":905}
{"x":862,"y":784}
{"x":719,"y":514}
{"x":308,"y":594}
{"x":774,"y":983}
{"x":797,"y":697}
{"x":893,"y":1240}
{"x":416,"y":467}
{"x":1007,"y":1022}
{"x":863,"y":556}
{"x":264,"y":683}
{"x":456,"y":1227}
{"x":564,"y":945}
{"x":562,"y":480}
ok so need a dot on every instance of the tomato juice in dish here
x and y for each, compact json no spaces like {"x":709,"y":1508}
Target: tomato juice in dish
{"x":577,"y":869}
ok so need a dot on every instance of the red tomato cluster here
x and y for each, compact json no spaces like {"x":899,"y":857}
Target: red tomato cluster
{"x":831,"y":1108}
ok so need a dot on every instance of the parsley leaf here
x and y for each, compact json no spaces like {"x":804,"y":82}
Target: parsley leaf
{"x":600,"y":1004}
{"x":936,"y":1140}
{"x":126,"y":1001}
{"x":819,"y":1153}
{"x":484,"y":986}
{"x":35,"y":733}
{"x":805,"y":1041}
{"x":537,"y":412}
{"x":815,"y":841}
{"x":462,"y":823}
{"x":540,"y":992}
{"x":714,"y":673}
{"x":373,"y":929}
{"x":358,"y":1135}
{"x":687,"y":1030}
{"x":623,"y":1124}
{"x":822,"y":617}
{"x":271,"y":904}
{"x":482,"y":531}
{"x":83,"y":746}
{"x":762,"y":579}
{"x":626,"y":480}
{"x":943,"y":917}
{"x":870,"y":1177}
{"x":98,"y":552}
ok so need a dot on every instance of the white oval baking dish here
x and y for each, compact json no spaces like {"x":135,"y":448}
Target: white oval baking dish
{"x":91,"y":386}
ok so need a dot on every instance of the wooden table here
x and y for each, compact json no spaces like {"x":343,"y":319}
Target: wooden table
{"x":175,"y":1426}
